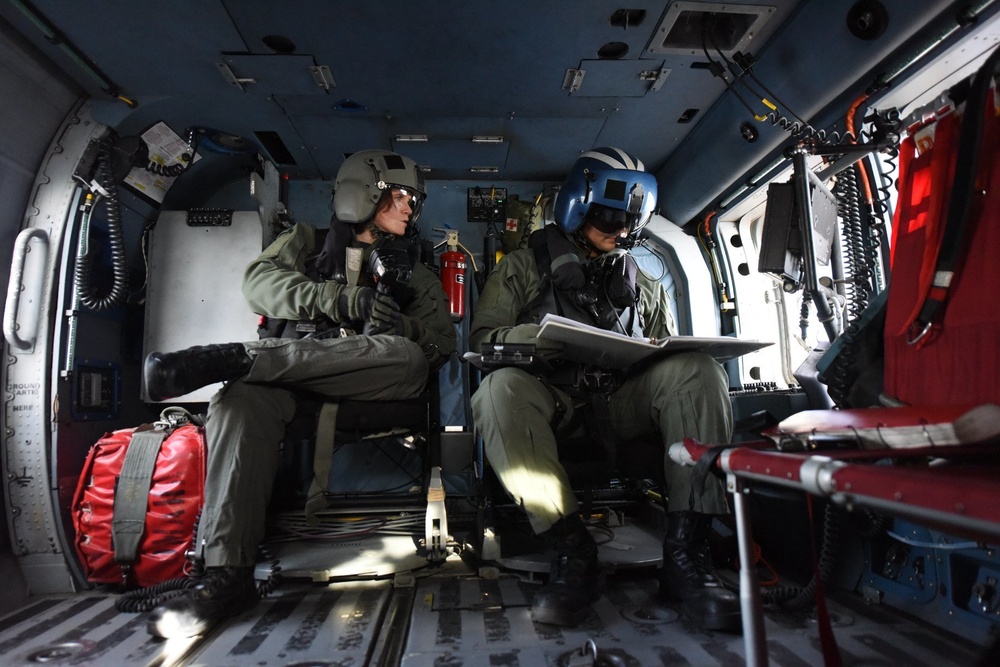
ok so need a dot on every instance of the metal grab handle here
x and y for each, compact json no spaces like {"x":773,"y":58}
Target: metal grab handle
{"x":14,"y":287}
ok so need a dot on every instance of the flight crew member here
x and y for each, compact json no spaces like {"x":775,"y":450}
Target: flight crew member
{"x":580,"y":268}
{"x":377,"y":198}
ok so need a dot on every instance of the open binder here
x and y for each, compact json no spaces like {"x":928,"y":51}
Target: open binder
{"x":591,"y":345}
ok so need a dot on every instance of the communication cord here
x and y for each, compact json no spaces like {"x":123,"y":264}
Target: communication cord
{"x":89,"y":296}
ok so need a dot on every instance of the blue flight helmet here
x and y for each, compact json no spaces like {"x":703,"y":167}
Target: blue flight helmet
{"x":609,"y":188}
{"x":366,"y":175}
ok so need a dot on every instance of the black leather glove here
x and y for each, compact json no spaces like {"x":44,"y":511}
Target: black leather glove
{"x":355,"y":304}
{"x":528,"y":334}
{"x":385,"y":316}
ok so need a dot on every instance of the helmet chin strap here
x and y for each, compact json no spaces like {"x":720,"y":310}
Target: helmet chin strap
{"x":377,"y":233}
{"x":585,"y":245}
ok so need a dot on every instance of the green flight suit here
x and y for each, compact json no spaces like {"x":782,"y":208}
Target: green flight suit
{"x":682,"y":395}
{"x":247,"y":417}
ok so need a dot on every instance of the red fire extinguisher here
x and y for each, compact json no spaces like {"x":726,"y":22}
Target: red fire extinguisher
{"x":453,"y":276}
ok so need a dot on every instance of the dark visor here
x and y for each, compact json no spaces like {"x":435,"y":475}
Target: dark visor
{"x":609,"y":220}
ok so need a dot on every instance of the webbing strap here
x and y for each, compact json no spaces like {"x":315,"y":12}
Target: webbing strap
{"x":601,"y":426}
{"x":355,"y":264}
{"x":132,"y":494}
{"x":958,"y":226}
{"x":827,"y":640}
{"x":702,"y":469}
{"x":326,"y":429}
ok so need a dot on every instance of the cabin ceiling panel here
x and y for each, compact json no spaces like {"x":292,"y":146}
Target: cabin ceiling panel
{"x":449,"y":69}
{"x":146,"y":48}
{"x":445,"y":58}
{"x":452,"y":69}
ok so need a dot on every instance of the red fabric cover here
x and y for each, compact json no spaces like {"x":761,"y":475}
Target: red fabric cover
{"x":175,"y":498}
{"x":959,"y":362}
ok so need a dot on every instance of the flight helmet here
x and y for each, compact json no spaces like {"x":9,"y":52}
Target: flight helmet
{"x":366,"y":175}
{"x":609,"y":188}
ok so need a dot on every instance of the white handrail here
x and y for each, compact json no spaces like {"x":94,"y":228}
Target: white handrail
{"x":15,"y":287}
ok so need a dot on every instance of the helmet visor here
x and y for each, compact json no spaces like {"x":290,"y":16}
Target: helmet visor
{"x":610,"y":220}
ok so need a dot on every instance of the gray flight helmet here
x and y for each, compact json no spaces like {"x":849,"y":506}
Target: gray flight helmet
{"x":366,"y":175}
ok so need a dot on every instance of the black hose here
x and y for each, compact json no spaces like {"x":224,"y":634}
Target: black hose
{"x":116,"y":241}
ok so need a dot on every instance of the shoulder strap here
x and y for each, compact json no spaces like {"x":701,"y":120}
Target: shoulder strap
{"x":543,"y":263}
{"x":538,"y":245}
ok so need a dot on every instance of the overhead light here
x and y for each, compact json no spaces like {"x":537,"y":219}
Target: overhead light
{"x":487,"y":139}
{"x":411,"y":138}
{"x":484,"y":170}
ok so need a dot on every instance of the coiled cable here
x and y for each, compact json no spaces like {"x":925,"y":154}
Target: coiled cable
{"x":886,"y":131}
{"x":857,"y":265}
{"x":151,"y":597}
{"x":186,"y":159}
{"x":267,"y":586}
{"x":801,"y":131}
{"x":841,"y":374}
{"x":802,"y":598}
{"x":116,"y":242}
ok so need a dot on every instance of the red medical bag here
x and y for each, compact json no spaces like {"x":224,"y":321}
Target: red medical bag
{"x":137,"y":501}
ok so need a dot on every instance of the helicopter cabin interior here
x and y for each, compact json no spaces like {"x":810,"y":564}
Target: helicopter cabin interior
{"x":827,"y":176}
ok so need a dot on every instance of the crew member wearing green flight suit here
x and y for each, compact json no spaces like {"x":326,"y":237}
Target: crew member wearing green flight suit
{"x":365,"y":343}
{"x":580,"y":268}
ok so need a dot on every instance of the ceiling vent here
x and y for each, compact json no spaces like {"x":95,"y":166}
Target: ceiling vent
{"x":688,"y":28}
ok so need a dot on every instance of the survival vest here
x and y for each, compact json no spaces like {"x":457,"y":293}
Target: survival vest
{"x":332,"y":262}
{"x":599,"y":292}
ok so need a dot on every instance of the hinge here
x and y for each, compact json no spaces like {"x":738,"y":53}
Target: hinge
{"x":231,"y":78}
{"x":322,"y":76}
{"x":573,"y":79}
{"x":657,"y":76}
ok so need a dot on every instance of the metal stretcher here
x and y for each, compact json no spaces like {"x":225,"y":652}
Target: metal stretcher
{"x":955,"y":488}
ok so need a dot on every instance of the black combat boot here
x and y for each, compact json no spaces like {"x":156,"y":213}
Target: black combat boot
{"x":172,"y":374}
{"x":220,"y":593}
{"x":575,"y":577}
{"x":688,"y":575}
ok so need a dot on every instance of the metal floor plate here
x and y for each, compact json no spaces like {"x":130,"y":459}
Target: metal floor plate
{"x":458,"y":618}
{"x":482,"y":623}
